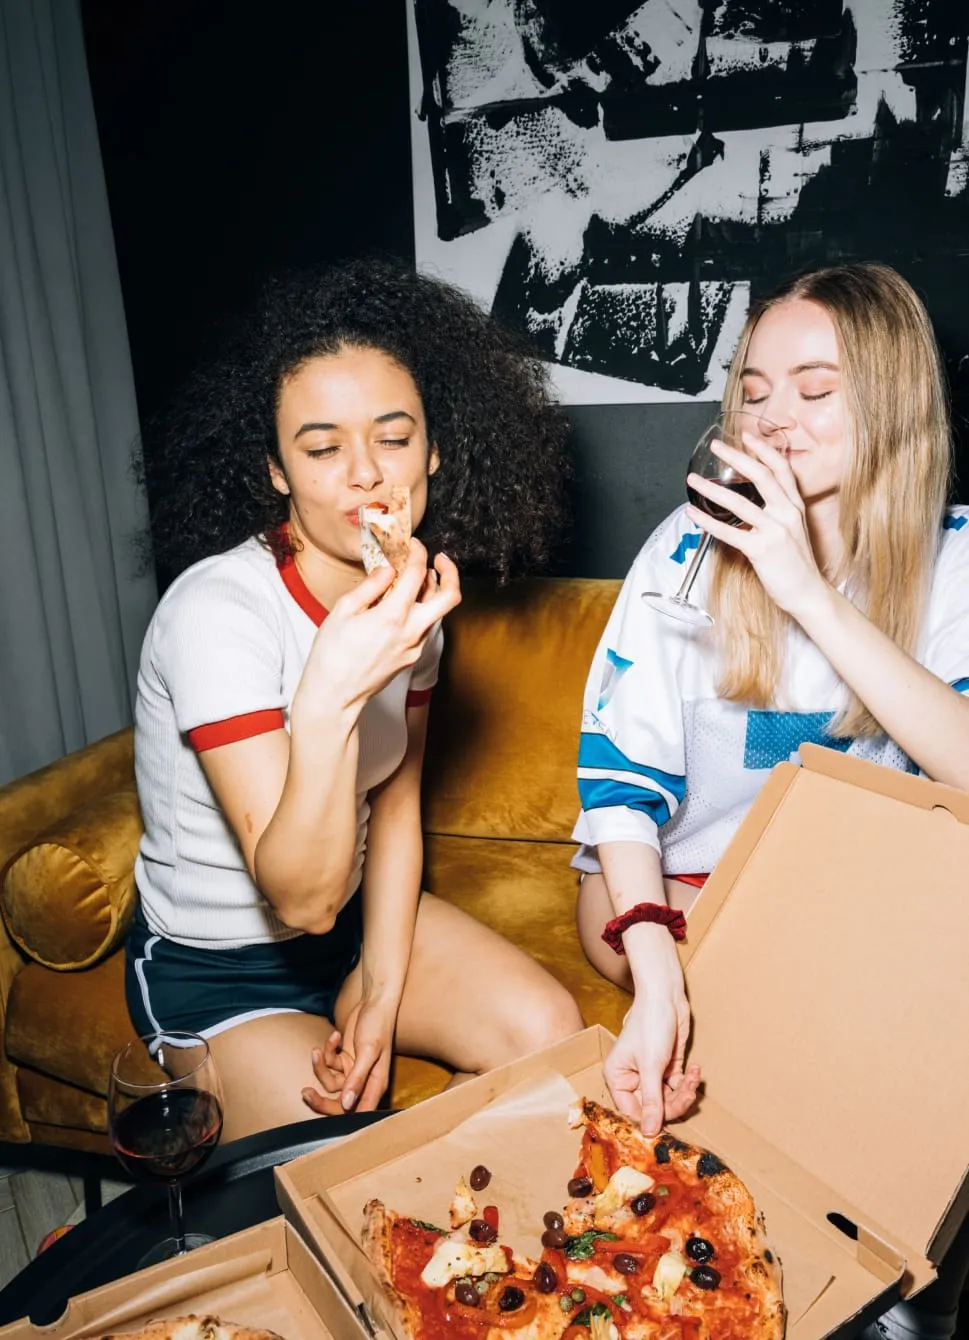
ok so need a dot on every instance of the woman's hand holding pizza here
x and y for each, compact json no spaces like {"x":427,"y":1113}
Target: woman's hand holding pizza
{"x":366,"y":640}
{"x":774,"y":537}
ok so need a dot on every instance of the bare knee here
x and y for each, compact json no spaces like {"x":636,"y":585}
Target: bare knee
{"x":543,"y":1018}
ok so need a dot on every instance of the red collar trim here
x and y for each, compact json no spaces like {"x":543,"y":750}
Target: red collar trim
{"x":297,"y":588}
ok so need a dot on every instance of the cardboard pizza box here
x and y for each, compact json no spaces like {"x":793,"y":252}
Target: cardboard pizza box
{"x":824,"y":963}
{"x":265,"y":1277}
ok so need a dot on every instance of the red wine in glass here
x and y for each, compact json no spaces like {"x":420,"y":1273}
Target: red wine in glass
{"x":165,"y":1118}
{"x":168,"y":1134}
{"x":737,"y":485}
{"x":731,"y":426}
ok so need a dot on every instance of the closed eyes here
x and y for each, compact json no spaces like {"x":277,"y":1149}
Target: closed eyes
{"x":394,"y":443}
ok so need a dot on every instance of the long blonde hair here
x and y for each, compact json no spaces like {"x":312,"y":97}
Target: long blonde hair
{"x":892,"y":497}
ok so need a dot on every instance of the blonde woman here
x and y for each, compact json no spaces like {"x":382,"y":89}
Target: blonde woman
{"x":842,"y":617}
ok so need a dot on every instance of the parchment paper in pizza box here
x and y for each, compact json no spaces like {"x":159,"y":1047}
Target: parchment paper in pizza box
{"x":827,"y":977}
{"x":264,"y":1278}
{"x":523,"y":1139}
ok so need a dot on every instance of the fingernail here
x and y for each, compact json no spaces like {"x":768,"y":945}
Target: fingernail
{"x":317,"y":1056}
{"x":348,"y":1099}
{"x":307,"y":1093}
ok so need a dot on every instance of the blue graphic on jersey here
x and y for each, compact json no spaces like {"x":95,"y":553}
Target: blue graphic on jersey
{"x":954,"y":522}
{"x":598,"y":751}
{"x":772,"y":737}
{"x":602,"y":793}
{"x":688,"y":542}
{"x":616,"y":667}
{"x":960,"y":685}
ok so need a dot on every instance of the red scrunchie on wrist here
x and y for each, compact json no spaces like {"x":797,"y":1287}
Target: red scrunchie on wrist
{"x":675,"y":923}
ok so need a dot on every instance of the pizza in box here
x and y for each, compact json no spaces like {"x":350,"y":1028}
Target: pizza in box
{"x":655,"y":1240}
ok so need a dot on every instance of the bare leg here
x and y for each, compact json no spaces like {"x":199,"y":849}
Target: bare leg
{"x":265,"y":1065}
{"x":594,"y":909}
{"x":472,"y":999}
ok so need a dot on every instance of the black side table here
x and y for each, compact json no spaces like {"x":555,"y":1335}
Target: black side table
{"x":234,"y":1191}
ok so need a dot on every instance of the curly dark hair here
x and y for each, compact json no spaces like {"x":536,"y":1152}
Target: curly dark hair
{"x":497,"y":503}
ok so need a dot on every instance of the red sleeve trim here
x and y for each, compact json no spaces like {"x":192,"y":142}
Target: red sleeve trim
{"x":418,"y":697}
{"x":233,"y":729}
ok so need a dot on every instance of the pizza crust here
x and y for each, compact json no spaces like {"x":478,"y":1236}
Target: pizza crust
{"x":193,"y":1327}
{"x":377,"y":1242}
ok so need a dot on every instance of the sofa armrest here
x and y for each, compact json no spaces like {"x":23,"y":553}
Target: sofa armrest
{"x":35,"y":802}
{"x":28,"y":806}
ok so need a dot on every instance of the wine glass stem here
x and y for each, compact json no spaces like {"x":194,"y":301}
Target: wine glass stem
{"x":177,"y":1218}
{"x":686,"y":586}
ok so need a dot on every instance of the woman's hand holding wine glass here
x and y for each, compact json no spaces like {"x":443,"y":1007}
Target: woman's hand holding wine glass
{"x":764,"y":517}
{"x":165,"y":1119}
{"x":731,"y":484}
{"x":742,"y":492}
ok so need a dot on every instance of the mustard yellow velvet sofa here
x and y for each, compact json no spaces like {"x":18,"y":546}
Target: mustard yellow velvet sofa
{"x":499,"y":807}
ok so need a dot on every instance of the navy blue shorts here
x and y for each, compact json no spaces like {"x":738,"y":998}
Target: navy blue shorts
{"x":206,"y":991}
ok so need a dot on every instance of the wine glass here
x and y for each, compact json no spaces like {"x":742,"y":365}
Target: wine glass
{"x":165,"y":1119}
{"x":729,"y":427}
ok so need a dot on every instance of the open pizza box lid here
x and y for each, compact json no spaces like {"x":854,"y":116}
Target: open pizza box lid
{"x":264,"y":1278}
{"x":822,"y":981}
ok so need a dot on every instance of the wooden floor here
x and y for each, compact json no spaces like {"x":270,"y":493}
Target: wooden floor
{"x":31,"y":1205}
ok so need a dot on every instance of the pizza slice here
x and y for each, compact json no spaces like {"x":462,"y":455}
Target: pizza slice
{"x":448,"y":1282}
{"x":193,"y":1328}
{"x":385,"y":531}
{"x":669,"y":1231}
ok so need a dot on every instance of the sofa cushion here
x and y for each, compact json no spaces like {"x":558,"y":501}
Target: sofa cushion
{"x":505,"y":719}
{"x":68,"y":898}
{"x":526,"y":892}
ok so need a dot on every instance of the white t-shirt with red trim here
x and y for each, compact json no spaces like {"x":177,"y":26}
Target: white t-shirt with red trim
{"x":221,"y":661}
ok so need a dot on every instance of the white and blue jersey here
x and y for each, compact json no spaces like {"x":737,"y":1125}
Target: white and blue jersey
{"x":664,"y":760}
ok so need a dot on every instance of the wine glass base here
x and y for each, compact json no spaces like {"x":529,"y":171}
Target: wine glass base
{"x":680,"y":610}
{"x":164,"y":1251}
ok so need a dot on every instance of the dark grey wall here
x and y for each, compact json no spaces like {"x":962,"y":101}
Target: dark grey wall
{"x":630,"y":467}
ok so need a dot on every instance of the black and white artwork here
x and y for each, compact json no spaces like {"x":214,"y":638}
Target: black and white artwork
{"x":618,"y":179}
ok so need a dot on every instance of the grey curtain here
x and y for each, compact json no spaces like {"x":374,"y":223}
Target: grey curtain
{"x":73,"y":607}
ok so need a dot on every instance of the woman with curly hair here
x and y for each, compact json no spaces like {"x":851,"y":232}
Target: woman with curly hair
{"x":283,"y":694}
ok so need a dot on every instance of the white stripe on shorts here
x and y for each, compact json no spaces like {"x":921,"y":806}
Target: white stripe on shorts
{"x":140,"y":974}
{"x":224,"y":1024}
